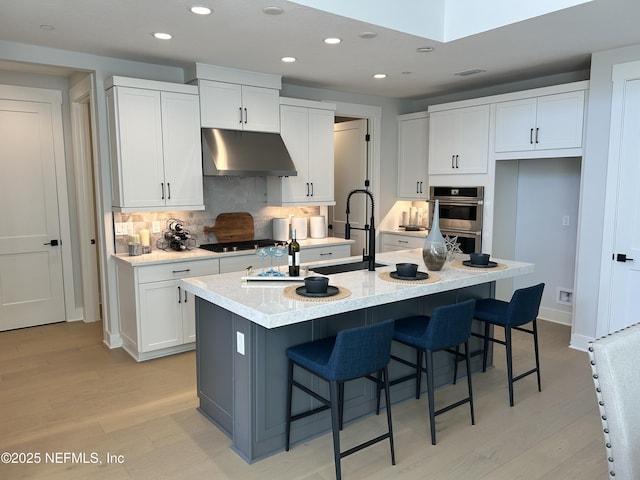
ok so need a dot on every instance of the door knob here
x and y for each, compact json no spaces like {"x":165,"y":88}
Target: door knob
{"x":621,"y":257}
{"x":53,"y":243}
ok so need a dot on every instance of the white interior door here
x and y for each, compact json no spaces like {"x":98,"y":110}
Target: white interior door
{"x":623,"y":196}
{"x":31,"y":280}
{"x":350,"y":172}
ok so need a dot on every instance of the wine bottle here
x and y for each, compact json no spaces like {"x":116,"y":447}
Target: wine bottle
{"x":294,"y":256}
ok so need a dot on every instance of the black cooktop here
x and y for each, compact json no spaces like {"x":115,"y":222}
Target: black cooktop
{"x":235,"y":246}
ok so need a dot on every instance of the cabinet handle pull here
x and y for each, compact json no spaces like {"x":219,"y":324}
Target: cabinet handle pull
{"x":307,"y":184}
{"x":403,"y":241}
{"x":179,"y":297}
{"x":181,"y":271}
{"x":325,"y":254}
{"x":162,"y":190}
{"x":531,"y":136}
{"x":185,"y":296}
{"x":240,"y":111}
{"x":537,"y":134}
{"x":452,"y":160}
{"x":420,"y":187}
{"x":246,"y":117}
{"x":311,"y":189}
{"x":417,"y":187}
{"x":168,"y":191}
{"x":457,"y":158}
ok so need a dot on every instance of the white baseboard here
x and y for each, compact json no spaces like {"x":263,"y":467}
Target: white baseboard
{"x":556,"y":316}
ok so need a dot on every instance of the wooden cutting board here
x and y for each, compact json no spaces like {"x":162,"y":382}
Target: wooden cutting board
{"x":232,"y":227}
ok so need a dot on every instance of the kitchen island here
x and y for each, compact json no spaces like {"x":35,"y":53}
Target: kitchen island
{"x":244,"y":328}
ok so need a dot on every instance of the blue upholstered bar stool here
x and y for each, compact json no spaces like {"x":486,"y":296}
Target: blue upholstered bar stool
{"x":522,"y":309}
{"x":446,"y":328}
{"x":353,"y":353}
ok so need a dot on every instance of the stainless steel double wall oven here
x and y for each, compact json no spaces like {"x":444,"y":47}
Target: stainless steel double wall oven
{"x":460,"y":214}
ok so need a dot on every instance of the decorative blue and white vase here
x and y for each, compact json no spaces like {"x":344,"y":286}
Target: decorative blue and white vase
{"x":434,"y":252}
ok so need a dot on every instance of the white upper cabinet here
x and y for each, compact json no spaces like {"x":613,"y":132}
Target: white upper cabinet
{"x":459,"y":140}
{"x":156,"y":156}
{"x":307,"y":132}
{"x":544,"y":123}
{"x":413,"y":151}
{"x":239,"y":107}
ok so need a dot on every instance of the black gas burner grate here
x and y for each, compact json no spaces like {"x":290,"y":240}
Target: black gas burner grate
{"x":236,"y":246}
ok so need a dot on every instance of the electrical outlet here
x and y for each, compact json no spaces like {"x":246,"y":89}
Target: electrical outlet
{"x":565,"y":221}
{"x":129,"y":228}
{"x":155,"y":227}
{"x":565,"y":296}
{"x":240,"y":343}
{"x":121,"y":228}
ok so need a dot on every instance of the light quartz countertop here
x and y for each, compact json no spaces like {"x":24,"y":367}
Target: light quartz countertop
{"x":158,"y":256}
{"x":264,"y":302}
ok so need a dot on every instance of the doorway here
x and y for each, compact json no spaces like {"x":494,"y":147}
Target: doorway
{"x":32,"y":280}
{"x":372,"y":115}
{"x":351,"y":171}
{"x":84,"y":154}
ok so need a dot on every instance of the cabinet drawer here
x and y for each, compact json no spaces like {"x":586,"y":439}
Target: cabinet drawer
{"x":403,"y":241}
{"x":314,"y":254}
{"x":171,"y":271}
{"x":238,"y":263}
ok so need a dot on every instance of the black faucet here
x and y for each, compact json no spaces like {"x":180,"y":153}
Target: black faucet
{"x":371,"y":244}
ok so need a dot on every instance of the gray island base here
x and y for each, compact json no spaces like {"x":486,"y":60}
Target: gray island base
{"x":243,"y":330}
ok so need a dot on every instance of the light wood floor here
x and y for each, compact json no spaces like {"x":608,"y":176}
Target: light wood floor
{"x":62,"y":391}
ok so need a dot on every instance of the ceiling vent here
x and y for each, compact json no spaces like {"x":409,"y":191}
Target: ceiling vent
{"x":472,"y":71}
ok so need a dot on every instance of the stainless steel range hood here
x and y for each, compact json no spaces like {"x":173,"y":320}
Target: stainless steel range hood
{"x":247,"y":154}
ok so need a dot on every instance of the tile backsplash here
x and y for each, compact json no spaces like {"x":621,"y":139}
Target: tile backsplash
{"x":221,"y":194}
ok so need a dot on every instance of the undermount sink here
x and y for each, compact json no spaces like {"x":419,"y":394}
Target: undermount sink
{"x":344,"y":267}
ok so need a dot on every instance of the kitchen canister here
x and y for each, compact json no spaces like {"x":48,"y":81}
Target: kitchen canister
{"x":299,"y":224}
{"x":280,"y":229}
{"x":317,"y":226}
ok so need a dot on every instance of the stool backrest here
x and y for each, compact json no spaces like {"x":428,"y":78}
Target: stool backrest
{"x":524,"y":305}
{"x":360,"y":351}
{"x":449,"y":325}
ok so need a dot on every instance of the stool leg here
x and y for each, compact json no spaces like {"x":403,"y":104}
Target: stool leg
{"x":418,"y":372}
{"x":467,"y":356}
{"x":379,"y":388}
{"x":535,"y":346}
{"x":385,"y":374}
{"x":289,"y":395}
{"x":455,"y":364}
{"x":485,"y":347}
{"x":341,"y":403}
{"x":335,"y":424}
{"x":507,"y":338}
{"x":431,"y":395}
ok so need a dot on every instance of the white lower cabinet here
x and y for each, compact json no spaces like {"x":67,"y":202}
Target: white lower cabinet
{"x":324,"y":252}
{"x":157,"y":317}
{"x":393,"y":242}
{"x":309,"y":253}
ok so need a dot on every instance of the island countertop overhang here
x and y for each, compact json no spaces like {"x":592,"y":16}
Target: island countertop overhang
{"x":265,"y":304}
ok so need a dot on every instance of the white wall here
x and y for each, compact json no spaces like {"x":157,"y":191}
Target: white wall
{"x":594,"y":177}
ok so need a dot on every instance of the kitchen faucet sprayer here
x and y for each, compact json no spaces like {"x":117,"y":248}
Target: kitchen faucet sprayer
{"x":371,"y":243}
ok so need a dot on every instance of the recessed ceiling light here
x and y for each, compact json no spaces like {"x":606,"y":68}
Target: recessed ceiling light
{"x":288,"y":59}
{"x":380,"y":75}
{"x":332,"y":41}
{"x":424,"y":49}
{"x":368,"y":35}
{"x":162,"y":36}
{"x":200,"y":10}
{"x":272,"y":10}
